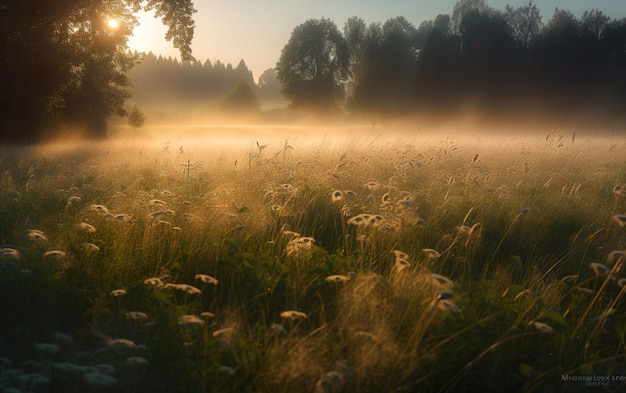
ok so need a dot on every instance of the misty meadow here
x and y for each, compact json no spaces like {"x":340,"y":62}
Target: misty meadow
{"x":314,"y":264}
{"x":391,"y":208}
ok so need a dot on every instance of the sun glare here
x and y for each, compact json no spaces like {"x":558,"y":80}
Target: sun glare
{"x":113,"y":23}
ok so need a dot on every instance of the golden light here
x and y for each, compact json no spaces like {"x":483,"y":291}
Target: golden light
{"x":113,"y":23}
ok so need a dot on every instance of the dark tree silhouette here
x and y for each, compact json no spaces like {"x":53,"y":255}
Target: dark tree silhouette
{"x":240,"y":100}
{"x":487,"y":58}
{"x":313,"y":66}
{"x":269,"y":86}
{"x":463,"y":7}
{"x":437,"y":81}
{"x":384,"y":82}
{"x":524,"y":22}
{"x":63,"y":64}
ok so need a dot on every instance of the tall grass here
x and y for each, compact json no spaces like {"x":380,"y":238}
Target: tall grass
{"x":384,"y":264}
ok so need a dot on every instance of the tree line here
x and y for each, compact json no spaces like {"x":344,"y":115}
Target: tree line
{"x":158,"y":79}
{"x":64,"y":65}
{"x":501,"y":62}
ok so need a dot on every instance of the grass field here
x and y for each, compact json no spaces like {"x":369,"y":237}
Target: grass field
{"x":367,"y":263}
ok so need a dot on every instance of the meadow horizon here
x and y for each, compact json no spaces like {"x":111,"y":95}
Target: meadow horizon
{"x":314,"y":259}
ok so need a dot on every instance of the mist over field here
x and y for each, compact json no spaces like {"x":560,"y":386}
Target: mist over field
{"x":393,"y":207}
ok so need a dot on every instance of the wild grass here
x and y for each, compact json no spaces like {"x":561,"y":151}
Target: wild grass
{"x":311,"y":264}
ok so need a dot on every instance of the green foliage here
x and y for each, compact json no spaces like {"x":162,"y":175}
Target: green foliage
{"x":69,"y":66}
{"x":313,"y":66}
{"x":468,"y":272}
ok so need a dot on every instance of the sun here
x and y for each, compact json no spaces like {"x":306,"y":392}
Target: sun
{"x":113,"y":23}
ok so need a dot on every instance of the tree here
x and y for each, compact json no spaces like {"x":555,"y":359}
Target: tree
{"x":240,"y":100}
{"x":269,"y":85}
{"x":136,"y":118}
{"x":463,"y":7}
{"x":354,"y":31}
{"x":487,"y":59}
{"x":384,"y":84}
{"x":524,"y":22}
{"x":65,"y":64}
{"x":313,"y":66}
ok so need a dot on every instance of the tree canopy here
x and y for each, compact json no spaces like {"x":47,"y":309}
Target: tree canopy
{"x":314,"y":65}
{"x":64,"y":64}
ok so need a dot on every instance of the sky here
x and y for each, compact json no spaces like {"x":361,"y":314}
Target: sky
{"x":257,"y":30}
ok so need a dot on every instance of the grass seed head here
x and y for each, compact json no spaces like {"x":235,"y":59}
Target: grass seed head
{"x":447,"y":305}
{"x":154,"y":281}
{"x":118,"y":292}
{"x":441,"y":280}
{"x":98,"y":380}
{"x":137,"y":316}
{"x":120,"y":344}
{"x":36,"y":235}
{"x":136,"y":362}
{"x":543,"y":327}
{"x":620,"y":219}
{"x":9,"y":254}
{"x":337,"y":278}
{"x":337,"y":196}
{"x":190,"y":320}
{"x":599,"y":269}
{"x":205,"y":278}
{"x":54,"y":255}
{"x":292,"y":314}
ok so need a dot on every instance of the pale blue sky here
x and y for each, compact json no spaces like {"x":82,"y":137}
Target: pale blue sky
{"x":257,"y":30}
